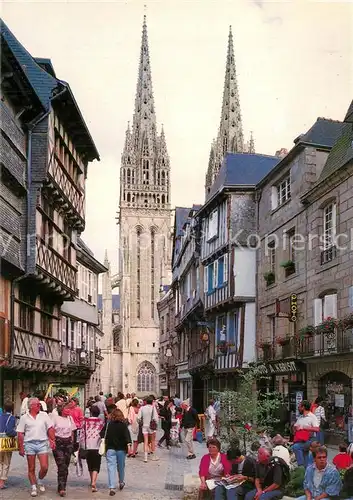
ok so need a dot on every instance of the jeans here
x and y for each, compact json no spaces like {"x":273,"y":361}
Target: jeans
{"x":36,"y":447}
{"x":220,"y":493}
{"x":304,"y":498}
{"x":320,"y":437}
{"x":264,"y":496}
{"x":115,"y":462}
{"x":301,"y":452}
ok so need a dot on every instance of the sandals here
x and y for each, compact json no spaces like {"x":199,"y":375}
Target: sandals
{"x":94,"y":488}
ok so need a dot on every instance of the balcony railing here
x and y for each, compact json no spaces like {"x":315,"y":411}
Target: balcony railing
{"x":320,"y":344}
{"x":199,"y":358}
{"x":35,"y":347}
{"x":53,"y":263}
{"x":218,"y":296}
{"x":79,"y":358}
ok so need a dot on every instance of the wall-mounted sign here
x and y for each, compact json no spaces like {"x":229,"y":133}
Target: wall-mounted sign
{"x":293,"y":308}
{"x":283,"y":367}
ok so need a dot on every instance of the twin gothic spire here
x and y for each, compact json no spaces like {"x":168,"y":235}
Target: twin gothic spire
{"x":230,"y":138}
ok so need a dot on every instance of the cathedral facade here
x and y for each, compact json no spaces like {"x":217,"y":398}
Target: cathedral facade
{"x":144,"y":246}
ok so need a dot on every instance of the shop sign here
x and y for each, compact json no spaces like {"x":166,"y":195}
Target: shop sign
{"x":183,"y":373}
{"x":293,"y":308}
{"x":279,"y":368}
{"x":299,"y":395}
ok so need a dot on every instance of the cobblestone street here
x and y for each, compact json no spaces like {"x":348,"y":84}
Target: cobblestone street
{"x":160,"y":480}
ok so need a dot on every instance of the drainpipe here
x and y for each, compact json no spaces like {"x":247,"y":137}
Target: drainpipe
{"x":31,"y":126}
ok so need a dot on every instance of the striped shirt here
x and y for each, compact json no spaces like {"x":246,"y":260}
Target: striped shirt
{"x":320,"y":414}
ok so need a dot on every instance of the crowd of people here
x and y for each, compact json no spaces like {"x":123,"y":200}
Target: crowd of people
{"x":264,"y":472}
{"x":108,"y":426}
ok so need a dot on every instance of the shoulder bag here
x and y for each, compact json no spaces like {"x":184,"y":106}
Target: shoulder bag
{"x":153,"y":423}
{"x":102,"y":447}
{"x":8,"y":443}
{"x":83,"y":451}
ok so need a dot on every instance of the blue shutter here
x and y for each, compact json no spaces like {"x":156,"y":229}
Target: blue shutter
{"x":231,"y":329}
{"x":210,"y":278}
{"x":220,"y":271}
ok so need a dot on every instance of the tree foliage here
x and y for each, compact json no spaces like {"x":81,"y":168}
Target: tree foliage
{"x":247,"y":412}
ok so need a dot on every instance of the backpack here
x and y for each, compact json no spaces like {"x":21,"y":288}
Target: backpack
{"x":285,"y":468}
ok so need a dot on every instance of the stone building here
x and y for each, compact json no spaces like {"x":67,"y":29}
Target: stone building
{"x":144,"y":239}
{"x":45,"y":171}
{"x":302,"y":203}
{"x":230,"y":137}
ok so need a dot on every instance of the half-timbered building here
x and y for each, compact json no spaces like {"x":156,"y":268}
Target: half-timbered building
{"x":228,"y":255}
{"x":58,"y":150}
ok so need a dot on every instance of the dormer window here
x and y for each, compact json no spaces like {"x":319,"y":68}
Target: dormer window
{"x":281,"y":192}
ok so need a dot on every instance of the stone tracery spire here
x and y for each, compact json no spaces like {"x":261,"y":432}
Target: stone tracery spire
{"x":230,"y":133}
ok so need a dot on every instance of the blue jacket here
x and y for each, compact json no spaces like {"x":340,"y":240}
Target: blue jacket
{"x":330,"y":483}
{"x":8,"y":424}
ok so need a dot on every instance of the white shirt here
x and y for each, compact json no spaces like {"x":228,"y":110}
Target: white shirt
{"x":320,"y":414}
{"x":24,"y":406}
{"x":35,"y":429}
{"x":122,"y":406}
{"x":64,"y":426}
{"x":281,"y":452}
{"x":147,"y":413}
{"x":309,"y":420}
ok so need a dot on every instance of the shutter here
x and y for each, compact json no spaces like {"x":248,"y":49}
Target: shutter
{"x":220,"y":271}
{"x":330,"y":306}
{"x":210,"y":278}
{"x":63,"y":330}
{"x":350,"y":294}
{"x":205,"y":275}
{"x":95,"y":283}
{"x":274,"y":197}
{"x":78,"y":334}
{"x":317,"y":312}
{"x":92,"y":332}
{"x":334,"y":224}
{"x":231,"y":328}
{"x":225,"y":272}
{"x":84,"y":335}
{"x":215,"y":274}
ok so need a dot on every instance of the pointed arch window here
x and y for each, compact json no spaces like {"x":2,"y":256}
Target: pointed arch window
{"x":128,"y":178}
{"x":145,"y":171}
{"x":152,"y":272}
{"x":128,"y":160}
{"x":132,"y":176}
{"x":128,"y":197}
{"x":163,"y":199}
{"x":163,"y":178}
{"x":138,"y":272}
{"x":146,"y":378}
{"x":145,"y":148}
{"x":158,"y":178}
{"x":225,"y":144}
{"x":124,"y":176}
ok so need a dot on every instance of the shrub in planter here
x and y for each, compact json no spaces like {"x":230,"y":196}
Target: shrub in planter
{"x":295,"y":486}
{"x":328,"y":325}
{"x":307,"y":330}
{"x":269,"y":278}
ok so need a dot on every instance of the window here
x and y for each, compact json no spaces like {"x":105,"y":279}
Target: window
{"x":212,"y":225}
{"x":222,"y":270}
{"x":272,"y":256}
{"x":281,"y":193}
{"x":46,"y":320}
{"x":221,"y":329}
{"x":233,"y":330}
{"x":153,"y":344}
{"x":27,"y":305}
{"x":64,"y":331}
{"x":210,"y":278}
{"x":152,"y":274}
{"x":146,"y":376}
{"x":329,"y":233}
{"x":290,"y":265}
{"x":325,"y":307}
{"x":138,"y":271}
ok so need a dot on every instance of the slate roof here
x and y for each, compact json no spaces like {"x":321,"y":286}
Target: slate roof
{"x":44,"y":83}
{"x":341,"y":153}
{"x":181,"y":216}
{"x":242,"y":169}
{"x":46,"y":64}
{"x":115,"y":301}
{"x":324,"y":132}
{"x":349,"y":115}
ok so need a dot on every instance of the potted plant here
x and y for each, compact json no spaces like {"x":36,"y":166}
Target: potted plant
{"x":327,"y":326}
{"x":282,"y":341}
{"x":347,"y":322}
{"x":222,"y":347}
{"x":289,"y":267}
{"x":270,"y":278}
{"x":307,"y":330}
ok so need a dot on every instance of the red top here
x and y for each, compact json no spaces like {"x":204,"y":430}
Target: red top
{"x":342,"y":461}
{"x":205,"y":465}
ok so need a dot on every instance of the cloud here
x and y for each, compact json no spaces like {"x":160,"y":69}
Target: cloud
{"x":274,"y":20}
{"x":259,"y":3}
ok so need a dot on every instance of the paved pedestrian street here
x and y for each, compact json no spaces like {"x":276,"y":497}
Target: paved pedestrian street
{"x":160,"y":480}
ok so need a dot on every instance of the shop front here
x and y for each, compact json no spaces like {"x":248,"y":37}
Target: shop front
{"x":336,"y":390}
{"x":184,"y":382}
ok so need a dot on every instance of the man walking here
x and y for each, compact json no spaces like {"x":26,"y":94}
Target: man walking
{"x":34,"y":429}
{"x":189,"y":421}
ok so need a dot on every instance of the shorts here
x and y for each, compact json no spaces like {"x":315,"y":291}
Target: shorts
{"x":93,"y":459}
{"x":36,"y":447}
{"x":147,"y":430}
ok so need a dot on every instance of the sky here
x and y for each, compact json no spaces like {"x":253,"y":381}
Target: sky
{"x":294,"y":63}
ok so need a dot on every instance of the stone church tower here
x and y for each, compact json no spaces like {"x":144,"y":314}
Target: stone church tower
{"x":230,"y":137}
{"x":144,"y":237}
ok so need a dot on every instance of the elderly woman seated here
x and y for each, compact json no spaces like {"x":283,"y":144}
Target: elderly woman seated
{"x":214,"y":465}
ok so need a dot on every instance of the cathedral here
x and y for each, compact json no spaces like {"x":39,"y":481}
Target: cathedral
{"x":131,"y":324}
{"x":144,"y":219}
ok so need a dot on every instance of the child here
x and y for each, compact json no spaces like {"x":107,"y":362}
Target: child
{"x":342,"y":460}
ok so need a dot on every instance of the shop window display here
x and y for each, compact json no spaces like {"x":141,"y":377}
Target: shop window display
{"x":336,"y":390}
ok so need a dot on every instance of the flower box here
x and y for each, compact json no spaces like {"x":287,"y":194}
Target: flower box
{"x":347,"y":322}
{"x":270,"y":278}
{"x":289,"y":267}
{"x":327,"y":326}
{"x":307,"y":331}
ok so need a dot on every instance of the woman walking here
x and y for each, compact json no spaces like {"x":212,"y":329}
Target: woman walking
{"x":89,"y":441}
{"x":133,"y":426}
{"x":148,"y":418}
{"x":117,"y":445}
{"x":64,"y":440}
{"x":166,"y":416}
{"x":8,"y":429}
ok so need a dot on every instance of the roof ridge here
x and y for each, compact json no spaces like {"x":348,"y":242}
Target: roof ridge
{"x":328,"y":119}
{"x":253,"y":154}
